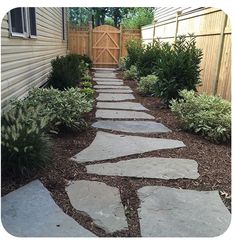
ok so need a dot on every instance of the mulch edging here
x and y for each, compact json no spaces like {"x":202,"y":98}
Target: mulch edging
{"x":214,"y":167}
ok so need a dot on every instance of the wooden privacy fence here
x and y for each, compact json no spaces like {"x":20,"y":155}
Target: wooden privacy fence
{"x":104,"y":44}
{"x":213,"y":35}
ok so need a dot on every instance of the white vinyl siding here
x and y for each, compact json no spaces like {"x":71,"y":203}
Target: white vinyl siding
{"x":26,"y":62}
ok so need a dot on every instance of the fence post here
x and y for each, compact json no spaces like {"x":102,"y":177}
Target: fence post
{"x":90,"y":41}
{"x":219,"y":55}
{"x":121,"y":40}
{"x":178,"y":13}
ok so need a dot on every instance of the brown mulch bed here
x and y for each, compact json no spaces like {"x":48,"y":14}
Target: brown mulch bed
{"x":214,"y":168}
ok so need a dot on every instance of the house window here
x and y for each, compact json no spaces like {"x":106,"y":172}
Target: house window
{"x":63,"y":23}
{"x":22,"y":22}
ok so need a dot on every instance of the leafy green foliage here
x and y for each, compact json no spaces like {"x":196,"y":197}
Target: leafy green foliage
{"x":131,"y":74}
{"x":86,"y":84}
{"x":138,"y":17}
{"x":208,"y":116}
{"x":122,"y":62}
{"x":25,"y":146}
{"x":134,"y":50}
{"x":67,"y":107}
{"x":87,"y":78}
{"x":146,"y":85}
{"x":178,"y":68}
{"x":88,"y":93}
{"x":68,"y":70}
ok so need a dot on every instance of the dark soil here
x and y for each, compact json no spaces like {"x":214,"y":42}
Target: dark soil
{"x":214,"y":168}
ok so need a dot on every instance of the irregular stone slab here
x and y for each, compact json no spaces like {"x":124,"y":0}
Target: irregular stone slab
{"x":109,"y":146}
{"x":169,"y":212}
{"x":104,"y":74}
{"x":100,"y":201}
{"x":100,"y":113}
{"x":122,"y":105}
{"x":150,"y":167}
{"x":108,"y":79}
{"x":30,"y":211}
{"x":114,"y":97}
{"x":104,"y":69}
{"x":132,"y":126}
{"x":110,"y":83}
{"x":121,"y":91}
{"x":111,"y":87}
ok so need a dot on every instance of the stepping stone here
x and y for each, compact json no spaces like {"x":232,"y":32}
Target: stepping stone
{"x":132,"y":126}
{"x":30,"y":211}
{"x":126,"y":91}
{"x":105,"y":75}
{"x":100,"y":201}
{"x":104,"y":69}
{"x":108,"y":146}
{"x":150,"y":167}
{"x":110,"y":83}
{"x":121,"y":105}
{"x":169,"y":212}
{"x":111,"y":87}
{"x":107,"y":79}
{"x":100,"y":113}
{"x":114,"y":97}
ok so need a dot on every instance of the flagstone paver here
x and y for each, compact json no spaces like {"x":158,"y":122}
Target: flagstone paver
{"x":132,"y":126}
{"x":114,"y":114}
{"x":150,"y":167}
{"x":121,"y":91}
{"x":111,"y":87}
{"x":100,"y":201}
{"x":107,"y":79}
{"x":170,"y":212}
{"x":108,"y":146}
{"x":30,"y":211}
{"x":114,"y":97}
{"x":109,"y":83}
{"x":104,"y":74}
{"x":121,"y":105}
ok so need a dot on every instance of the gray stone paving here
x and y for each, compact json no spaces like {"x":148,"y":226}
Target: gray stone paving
{"x":150,"y":167}
{"x":169,"y":212}
{"x":107,"y":79}
{"x":115,"y":114}
{"x":107,"y":146}
{"x":132,"y":126}
{"x":114,"y":97}
{"x":121,"y":105}
{"x":111,"y":87}
{"x":104,"y":75}
{"x":121,"y":91}
{"x":109,"y":83}
{"x":31,"y":212}
{"x":100,"y":201}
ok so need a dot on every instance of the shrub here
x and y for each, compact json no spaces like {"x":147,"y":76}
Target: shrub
{"x":86,"y":84}
{"x":134,"y":50}
{"x":122,"y":62}
{"x":208,"y":116}
{"x":146,"y":85}
{"x":87,"y":78}
{"x":66,"y":106}
{"x":131,"y":74}
{"x":68,"y":70}
{"x":150,"y":57}
{"x":88,"y":93}
{"x":25,"y":146}
{"x":178,"y":68}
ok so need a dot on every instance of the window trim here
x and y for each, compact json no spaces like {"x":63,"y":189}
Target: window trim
{"x":25,"y":24}
{"x":31,"y":35}
{"x":63,"y":24}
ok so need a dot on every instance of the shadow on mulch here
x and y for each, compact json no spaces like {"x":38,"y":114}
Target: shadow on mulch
{"x":214,"y":168}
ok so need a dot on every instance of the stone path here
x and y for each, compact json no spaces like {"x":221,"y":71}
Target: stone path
{"x":163,"y":211}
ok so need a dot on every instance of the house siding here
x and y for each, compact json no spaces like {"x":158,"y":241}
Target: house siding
{"x":26,"y":63}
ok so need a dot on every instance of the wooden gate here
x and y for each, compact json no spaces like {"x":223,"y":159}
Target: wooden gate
{"x":105,"y":46}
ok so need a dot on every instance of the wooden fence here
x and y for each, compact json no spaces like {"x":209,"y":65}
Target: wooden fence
{"x":213,"y":35}
{"x":104,"y":44}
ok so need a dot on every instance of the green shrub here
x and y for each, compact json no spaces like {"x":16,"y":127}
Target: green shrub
{"x":146,"y":85}
{"x":87,"y":78}
{"x":208,"y":116}
{"x":66,"y":106}
{"x":122,"y":62}
{"x":134,"y":50}
{"x":131,"y":74}
{"x":25,"y":146}
{"x":178,"y":68}
{"x":68,"y":70}
{"x":86,"y":84}
{"x":88,"y":93}
{"x":149,"y":59}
